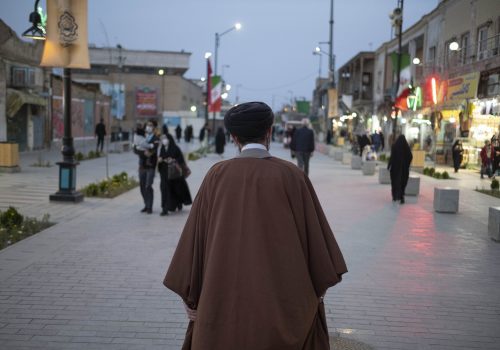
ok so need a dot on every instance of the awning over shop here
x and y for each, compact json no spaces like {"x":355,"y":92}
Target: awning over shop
{"x":17,"y":98}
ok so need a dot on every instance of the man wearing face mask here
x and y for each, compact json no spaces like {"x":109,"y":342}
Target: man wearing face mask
{"x":257,"y":254}
{"x":147,"y":166}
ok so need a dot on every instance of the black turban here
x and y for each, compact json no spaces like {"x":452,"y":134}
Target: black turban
{"x":250,"y":120}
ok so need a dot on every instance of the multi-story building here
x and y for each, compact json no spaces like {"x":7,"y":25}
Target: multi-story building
{"x":144,"y":84}
{"x":355,"y":88}
{"x":452,"y":86}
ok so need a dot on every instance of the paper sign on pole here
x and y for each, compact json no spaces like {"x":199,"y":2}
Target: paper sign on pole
{"x":332,"y":103}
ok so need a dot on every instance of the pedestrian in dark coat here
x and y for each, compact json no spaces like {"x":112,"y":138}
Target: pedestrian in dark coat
{"x":174,"y":192}
{"x":220,"y":141}
{"x":303,"y":145}
{"x":399,"y":167}
{"x":178,"y":133}
{"x":100,"y":132}
{"x":457,"y":152}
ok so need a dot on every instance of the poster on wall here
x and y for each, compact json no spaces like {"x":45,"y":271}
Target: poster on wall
{"x":146,"y":102}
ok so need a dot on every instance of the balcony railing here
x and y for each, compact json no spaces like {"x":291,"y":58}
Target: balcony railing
{"x":484,"y":50}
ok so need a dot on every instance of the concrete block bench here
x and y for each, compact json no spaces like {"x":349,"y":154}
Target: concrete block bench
{"x":331,"y":151}
{"x":413,"y":186}
{"x":346,"y":158}
{"x":384,"y":176}
{"x":368,"y":168}
{"x":355,"y":162}
{"x":494,"y":223}
{"x":338,"y":155}
{"x":446,"y":199}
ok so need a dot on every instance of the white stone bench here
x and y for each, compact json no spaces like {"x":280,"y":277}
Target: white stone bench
{"x":346,"y":158}
{"x":446,"y":199}
{"x":413,"y":186}
{"x":494,"y":223}
{"x":355,"y":162}
{"x":384,"y":176}
{"x":368,"y":168}
{"x":338,"y":155}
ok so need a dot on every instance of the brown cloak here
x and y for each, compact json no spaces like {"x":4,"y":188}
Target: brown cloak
{"x":254,"y":257}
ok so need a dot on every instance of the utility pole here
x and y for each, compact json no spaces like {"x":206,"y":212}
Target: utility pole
{"x":331,"y":63}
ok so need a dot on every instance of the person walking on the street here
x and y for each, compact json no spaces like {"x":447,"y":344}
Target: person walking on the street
{"x":100,"y":133}
{"x":178,"y":133}
{"x":257,"y":253}
{"x":147,"y":152}
{"x":174,"y":189}
{"x":220,"y":141}
{"x":486,"y":155}
{"x":457,"y":152}
{"x":303,"y":145}
{"x":399,"y":168}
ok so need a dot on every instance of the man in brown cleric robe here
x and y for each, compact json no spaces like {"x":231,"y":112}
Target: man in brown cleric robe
{"x":257,"y":254}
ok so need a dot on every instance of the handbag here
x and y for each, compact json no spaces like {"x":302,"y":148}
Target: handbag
{"x":186,"y":171}
{"x":174,"y":170}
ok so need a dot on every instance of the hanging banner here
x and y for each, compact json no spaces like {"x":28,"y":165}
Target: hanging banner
{"x":66,"y":43}
{"x":332,"y":103}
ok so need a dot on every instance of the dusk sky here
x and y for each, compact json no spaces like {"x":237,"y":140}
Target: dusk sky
{"x":270,"y":58}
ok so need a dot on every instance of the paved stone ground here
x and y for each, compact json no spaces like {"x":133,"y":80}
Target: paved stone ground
{"x":417,"y":279}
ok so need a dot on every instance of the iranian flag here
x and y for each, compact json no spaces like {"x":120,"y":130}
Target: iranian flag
{"x":215,"y":96}
{"x":405,"y":72}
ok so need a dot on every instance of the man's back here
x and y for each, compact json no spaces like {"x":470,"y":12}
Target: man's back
{"x":303,"y":140}
{"x":263,"y":254}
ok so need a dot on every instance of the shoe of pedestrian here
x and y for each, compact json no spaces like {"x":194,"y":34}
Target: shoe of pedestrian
{"x":143,"y":210}
{"x":402,"y":201}
{"x":149,"y":211}
{"x":164,"y":213}
{"x":179,"y":207}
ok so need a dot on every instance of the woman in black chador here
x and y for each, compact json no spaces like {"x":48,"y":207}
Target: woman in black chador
{"x":458,"y":154}
{"x":174,"y":192}
{"x":399,"y":167}
{"x":220,"y":141}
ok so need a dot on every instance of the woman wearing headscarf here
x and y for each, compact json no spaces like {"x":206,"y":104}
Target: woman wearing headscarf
{"x":399,"y":167}
{"x":220,"y":141}
{"x":174,"y":191}
{"x":457,"y":151}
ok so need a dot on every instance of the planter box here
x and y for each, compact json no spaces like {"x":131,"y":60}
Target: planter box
{"x":355,"y":162}
{"x":338,"y":155}
{"x":413,"y":186}
{"x":446,"y":199}
{"x":384,"y":176}
{"x":346,"y":158}
{"x":368,"y":168}
{"x":494,"y":223}
{"x":9,"y":154}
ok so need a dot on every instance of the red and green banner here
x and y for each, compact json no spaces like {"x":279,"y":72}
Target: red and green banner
{"x":215,"y":94}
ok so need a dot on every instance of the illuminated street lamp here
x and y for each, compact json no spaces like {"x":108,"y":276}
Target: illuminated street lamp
{"x":36,"y":31}
{"x":454,"y":46}
{"x":237,"y":26}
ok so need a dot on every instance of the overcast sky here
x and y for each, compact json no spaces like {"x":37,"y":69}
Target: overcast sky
{"x":270,"y":58}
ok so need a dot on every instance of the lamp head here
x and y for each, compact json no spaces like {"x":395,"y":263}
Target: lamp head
{"x":35,"y":31}
{"x":237,"y":26}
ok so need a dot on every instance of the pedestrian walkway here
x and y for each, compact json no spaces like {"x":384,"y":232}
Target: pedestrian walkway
{"x":417,"y":279}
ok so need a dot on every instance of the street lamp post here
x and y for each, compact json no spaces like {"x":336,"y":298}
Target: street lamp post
{"x":237,"y":26}
{"x":67,"y":168}
{"x":397,"y":17}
